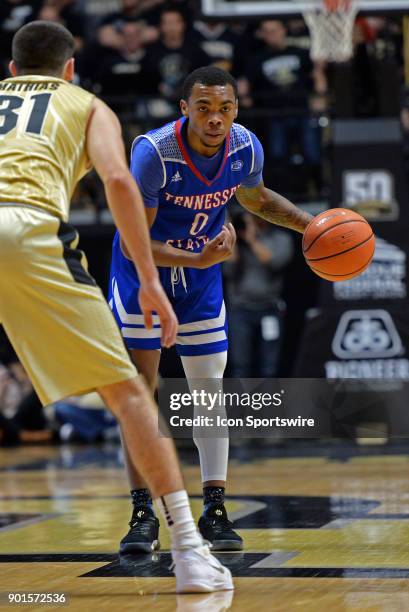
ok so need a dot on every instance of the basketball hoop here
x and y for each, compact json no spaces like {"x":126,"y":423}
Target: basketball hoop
{"x":331,"y":27}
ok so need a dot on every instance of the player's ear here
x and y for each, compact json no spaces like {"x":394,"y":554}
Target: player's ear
{"x":69,"y":70}
{"x":236,"y":112}
{"x":13,"y":68}
{"x":183,"y":108}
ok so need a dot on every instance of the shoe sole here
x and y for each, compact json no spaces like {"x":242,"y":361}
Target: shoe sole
{"x":204,"y":588}
{"x":139,"y":548}
{"x":224,"y":545}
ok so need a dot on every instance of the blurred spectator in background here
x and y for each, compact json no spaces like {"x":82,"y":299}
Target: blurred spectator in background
{"x":357,"y":78}
{"x":385,"y":37}
{"x":298,"y":34}
{"x":114,"y":44}
{"x":22,"y":418}
{"x":148,"y":11}
{"x":121,"y":71}
{"x":369,"y":85}
{"x":11,"y":390}
{"x":248,"y":44}
{"x":85,"y":418}
{"x":283,"y":78}
{"x":218,"y":41}
{"x":70,"y":14}
{"x":254,"y":287}
{"x":13,"y":15}
{"x":385,"y":49}
{"x":175,"y":55}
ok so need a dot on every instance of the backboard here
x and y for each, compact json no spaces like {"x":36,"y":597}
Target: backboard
{"x":231,"y":9}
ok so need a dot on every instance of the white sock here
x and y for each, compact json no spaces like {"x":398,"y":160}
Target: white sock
{"x":175,"y":509}
{"x":213,"y":452}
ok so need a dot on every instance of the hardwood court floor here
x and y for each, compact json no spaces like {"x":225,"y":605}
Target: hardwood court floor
{"x":326,"y":527}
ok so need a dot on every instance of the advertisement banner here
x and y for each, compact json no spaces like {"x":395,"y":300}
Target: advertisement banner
{"x":384,"y":283}
{"x":370,"y":343}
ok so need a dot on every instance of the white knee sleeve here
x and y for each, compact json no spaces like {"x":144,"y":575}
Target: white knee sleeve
{"x":213,"y":452}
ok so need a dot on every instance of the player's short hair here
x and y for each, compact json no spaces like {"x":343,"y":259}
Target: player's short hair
{"x":42,"y":47}
{"x":208,"y":75}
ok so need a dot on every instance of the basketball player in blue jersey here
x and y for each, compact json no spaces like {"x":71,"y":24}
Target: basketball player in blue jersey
{"x":187,"y":171}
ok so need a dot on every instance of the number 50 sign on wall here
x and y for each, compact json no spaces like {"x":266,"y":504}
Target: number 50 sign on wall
{"x":371,"y":193}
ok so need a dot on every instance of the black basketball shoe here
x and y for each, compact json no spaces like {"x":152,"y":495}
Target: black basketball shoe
{"x":216,"y":528}
{"x":143,"y":536}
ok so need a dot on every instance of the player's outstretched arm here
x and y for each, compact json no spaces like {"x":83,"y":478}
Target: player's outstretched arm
{"x":106,"y":151}
{"x":273,"y":207}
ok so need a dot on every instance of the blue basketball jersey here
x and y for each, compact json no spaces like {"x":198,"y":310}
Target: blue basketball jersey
{"x":191,"y":211}
{"x":191,"y":207}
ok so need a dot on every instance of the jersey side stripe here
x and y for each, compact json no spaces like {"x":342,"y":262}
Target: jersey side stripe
{"x":141,"y":332}
{"x":205,"y":323}
{"x":201,"y":338}
{"x":125,"y":317}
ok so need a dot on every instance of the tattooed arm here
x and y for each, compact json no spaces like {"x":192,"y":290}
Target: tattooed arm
{"x":273,"y":207}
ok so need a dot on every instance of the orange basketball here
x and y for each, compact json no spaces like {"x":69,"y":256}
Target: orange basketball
{"x":338,"y":244}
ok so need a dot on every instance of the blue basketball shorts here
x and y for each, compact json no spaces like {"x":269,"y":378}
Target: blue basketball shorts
{"x":196,"y":296}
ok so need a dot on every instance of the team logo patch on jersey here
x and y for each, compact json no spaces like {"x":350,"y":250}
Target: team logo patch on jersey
{"x":237,"y":165}
{"x":176,"y":177}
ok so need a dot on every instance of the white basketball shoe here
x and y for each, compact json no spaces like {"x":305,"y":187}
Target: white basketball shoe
{"x":198,"y":571}
{"x":205,"y":602}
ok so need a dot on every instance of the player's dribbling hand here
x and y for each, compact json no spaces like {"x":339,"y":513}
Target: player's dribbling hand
{"x":220,"y":248}
{"x":152,"y":297}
